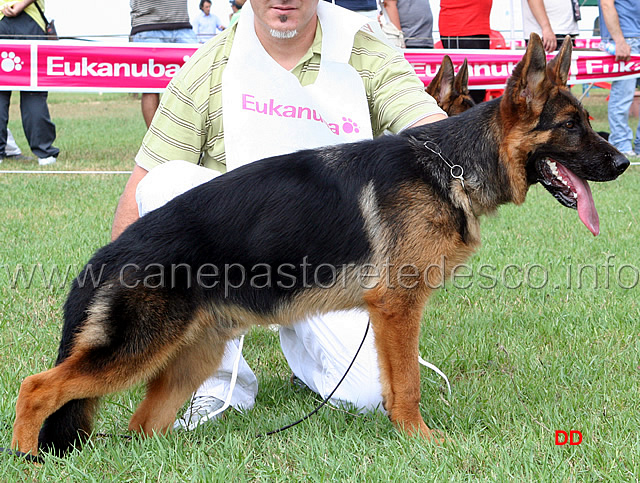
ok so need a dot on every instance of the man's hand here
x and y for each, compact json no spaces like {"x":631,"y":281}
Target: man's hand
{"x":623,"y":50}
{"x":549,"y":40}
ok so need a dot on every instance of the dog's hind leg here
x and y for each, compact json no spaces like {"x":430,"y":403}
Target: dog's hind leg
{"x":396,"y":323}
{"x":87,"y":374}
{"x":168,"y":391}
{"x":45,"y":393}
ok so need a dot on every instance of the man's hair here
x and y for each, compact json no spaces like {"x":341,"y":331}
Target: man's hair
{"x":202,"y":2}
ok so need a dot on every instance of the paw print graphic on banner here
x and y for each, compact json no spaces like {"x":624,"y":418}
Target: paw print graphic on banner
{"x":349,"y":126}
{"x":10,"y":62}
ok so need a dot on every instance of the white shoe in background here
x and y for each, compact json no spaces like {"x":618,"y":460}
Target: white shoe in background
{"x":46,"y":161}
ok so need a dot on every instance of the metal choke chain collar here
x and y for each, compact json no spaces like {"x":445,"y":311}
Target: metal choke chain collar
{"x":456,"y":170}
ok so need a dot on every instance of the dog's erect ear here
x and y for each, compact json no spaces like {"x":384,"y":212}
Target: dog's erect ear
{"x":558,"y":67}
{"x":461,"y":83}
{"x":442,"y":84}
{"x":529,"y":78}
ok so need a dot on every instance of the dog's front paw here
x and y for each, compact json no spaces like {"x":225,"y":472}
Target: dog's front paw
{"x":421,"y":430}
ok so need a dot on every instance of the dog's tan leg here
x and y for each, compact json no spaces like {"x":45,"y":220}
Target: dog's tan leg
{"x":44,"y":393}
{"x":396,"y":324}
{"x":171,"y":388}
{"x":34,"y":404}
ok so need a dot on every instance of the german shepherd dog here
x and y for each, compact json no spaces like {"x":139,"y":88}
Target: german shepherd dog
{"x":320,"y":222}
{"x":450,"y":90}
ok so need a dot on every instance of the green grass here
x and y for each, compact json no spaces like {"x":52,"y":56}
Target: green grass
{"x":554,"y":346}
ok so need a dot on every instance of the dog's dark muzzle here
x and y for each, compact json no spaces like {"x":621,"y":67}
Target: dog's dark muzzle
{"x":615,"y":164}
{"x":620,"y":163}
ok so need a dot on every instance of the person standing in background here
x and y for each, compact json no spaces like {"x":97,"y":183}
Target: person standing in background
{"x":464,"y":24}
{"x":236,"y":7}
{"x":12,"y":151}
{"x":415,"y":19}
{"x":551,"y":19}
{"x":164,"y":21}
{"x":206,"y":24}
{"x":620,"y":24}
{"x":22,"y":21}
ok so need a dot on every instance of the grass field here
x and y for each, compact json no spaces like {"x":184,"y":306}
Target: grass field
{"x":541,"y":334}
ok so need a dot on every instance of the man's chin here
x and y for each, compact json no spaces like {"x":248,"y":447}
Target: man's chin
{"x":283,"y":34}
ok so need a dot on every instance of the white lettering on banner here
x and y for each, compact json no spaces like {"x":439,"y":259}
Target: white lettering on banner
{"x":426,"y":70}
{"x":599,"y":66}
{"x":490,"y":70}
{"x":628,"y":66}
{"x":271,"y":108}
{"x":57,"y":66}
{"x":65,"y":66}
{"x":594,"y":66}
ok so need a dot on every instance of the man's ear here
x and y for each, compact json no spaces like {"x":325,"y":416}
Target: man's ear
{"x":558,"y":67}
{"x":441,"y":87}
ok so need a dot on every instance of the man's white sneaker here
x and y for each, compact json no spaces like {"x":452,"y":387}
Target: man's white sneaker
{"x":201,"y":410}
{"x":46,"y":161}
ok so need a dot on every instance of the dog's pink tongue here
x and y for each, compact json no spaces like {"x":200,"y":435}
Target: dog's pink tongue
{"x":586,"y":207}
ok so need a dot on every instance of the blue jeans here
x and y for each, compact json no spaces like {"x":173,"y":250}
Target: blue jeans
{"x":179,"y":36}
{"x":620,"y":100}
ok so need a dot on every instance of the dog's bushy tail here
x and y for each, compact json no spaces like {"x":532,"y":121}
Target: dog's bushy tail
{"x":70,"y":425}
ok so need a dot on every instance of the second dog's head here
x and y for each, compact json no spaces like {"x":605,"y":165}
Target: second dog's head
{"x":451,"y":90}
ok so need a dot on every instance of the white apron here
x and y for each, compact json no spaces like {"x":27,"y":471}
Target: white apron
{"x":267,"y":112}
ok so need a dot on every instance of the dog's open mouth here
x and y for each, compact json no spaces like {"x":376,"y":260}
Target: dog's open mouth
{"x":570,"y":190}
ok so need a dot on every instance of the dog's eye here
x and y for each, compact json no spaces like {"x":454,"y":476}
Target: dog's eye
{"x":569,"y":124}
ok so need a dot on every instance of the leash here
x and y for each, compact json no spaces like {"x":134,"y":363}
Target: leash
{"x":27,"y":456}
{"x":326,"y":400}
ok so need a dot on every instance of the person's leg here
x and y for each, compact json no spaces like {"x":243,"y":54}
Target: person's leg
{"x":5,"y":100}
{"x":637,"y":141}
{"x":168,"y":180}
{"x":620,"y":100}
{"x":12,"y":148}
{"x":38,"y":127}
{"x":185,"y":36}
{"x":149,"y":104}
{"x":151,"y":100}
{"x":320,"y":349}
{"x":635,"y":50}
